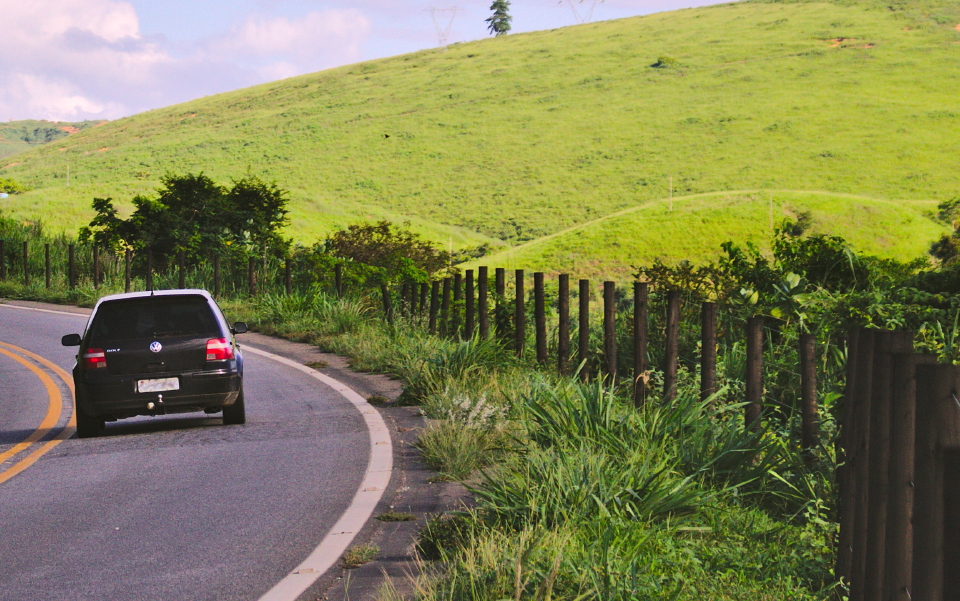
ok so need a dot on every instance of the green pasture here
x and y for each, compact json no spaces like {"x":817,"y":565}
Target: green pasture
{"x":523,"y":136}
{"x":697,"y":225}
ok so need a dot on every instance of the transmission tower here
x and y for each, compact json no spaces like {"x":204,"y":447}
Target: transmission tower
{"x":439,"y":16}
{"x":587,"y":16}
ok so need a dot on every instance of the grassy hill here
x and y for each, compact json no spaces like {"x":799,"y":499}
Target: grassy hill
{"x":520,"y":137}
{"x":697,"y":224}
{"x":17,"y":136}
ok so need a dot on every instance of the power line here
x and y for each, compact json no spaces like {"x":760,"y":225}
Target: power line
{"x":586,"y":17}
{"x":439,"y":15}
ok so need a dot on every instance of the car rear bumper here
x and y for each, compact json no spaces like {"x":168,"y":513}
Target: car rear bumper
{"x":116,"y":397}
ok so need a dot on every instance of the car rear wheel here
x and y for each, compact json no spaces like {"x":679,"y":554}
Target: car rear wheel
{"x":87,"y":426}
{"x":235,"y":414}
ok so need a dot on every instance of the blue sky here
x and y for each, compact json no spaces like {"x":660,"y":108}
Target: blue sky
{"x":103,"y":59}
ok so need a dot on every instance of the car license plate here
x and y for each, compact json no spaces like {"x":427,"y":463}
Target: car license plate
{"x":159,"y":385}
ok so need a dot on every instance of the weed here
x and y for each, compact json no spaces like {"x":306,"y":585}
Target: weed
{"x":359,"y":555}
{"x":396,"y":516}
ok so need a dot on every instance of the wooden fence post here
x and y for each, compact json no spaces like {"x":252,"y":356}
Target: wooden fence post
{"x":149,"y":268}
{"x":445,"y":308}
{"x":126,"y":270}
{"x":672,"y":346}
{"x":708,"y":350}
{"x":885,"y":343}
{"x":610,"y":329}
{"x":951,"y":524}
{"x":182,"y":269}
{"x":468,"y":329}
{"x":482,"y":302}
{"x":96,"y":266}
{"x":434,"y":304}
{"x":216,"y":275}
{"x":898,"y":557}
{"x":540,"y":317}
{"x":860,"y":460}
{"x":500,"y":310}
{"x":937,"y":428}
{"x":46,"y":264}
{"x":3,"y":260}
{"x":387,"y":306}
{"x":404,"y":290}
{"x":640,"y":341}
{"x":71,"y":257}
{"x":26,"y":263}
{"x":809,"y":418}
{"x":845,"y":452}
{"x":288,"y":275}
{"x":563,"y":327}
{"x":583,"y":330}
{"x":424,"y":290}
{"x":754,"y":383}
{"x":520,"y":316}
{"x":457,"y":304}
{"x":338,"y":279}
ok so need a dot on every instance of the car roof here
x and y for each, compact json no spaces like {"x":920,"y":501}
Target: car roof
{"x":155,"y":293}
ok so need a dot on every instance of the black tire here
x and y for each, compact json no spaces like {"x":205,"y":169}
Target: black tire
{"x":235,"y":414}
{"x":88,"y":427}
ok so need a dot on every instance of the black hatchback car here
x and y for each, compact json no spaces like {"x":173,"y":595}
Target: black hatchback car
{"x":154,"y":353}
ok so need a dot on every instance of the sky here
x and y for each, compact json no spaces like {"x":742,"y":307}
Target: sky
{"x":70,"y":60}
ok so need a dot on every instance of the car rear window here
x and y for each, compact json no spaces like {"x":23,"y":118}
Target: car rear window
{"x":153,"y":317}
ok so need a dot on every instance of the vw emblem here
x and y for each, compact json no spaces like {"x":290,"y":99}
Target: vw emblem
{"x":155,"y":346}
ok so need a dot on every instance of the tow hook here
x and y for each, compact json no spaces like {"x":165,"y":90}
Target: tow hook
{"x":158,"y":406}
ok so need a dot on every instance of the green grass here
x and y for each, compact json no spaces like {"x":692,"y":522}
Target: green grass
{"x":17,"y":136}
{"x":697,"y":225}
{"x":518,"y":137}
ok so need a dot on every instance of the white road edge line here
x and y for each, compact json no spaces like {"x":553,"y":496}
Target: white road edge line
{"x":374,"y":483}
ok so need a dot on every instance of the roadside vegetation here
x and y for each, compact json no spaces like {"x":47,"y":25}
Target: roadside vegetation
{"x":578,"y":494}
{"x":512,"y":138}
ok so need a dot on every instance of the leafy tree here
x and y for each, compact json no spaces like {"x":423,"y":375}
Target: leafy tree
{"x":398,"y":253}
{"x":947,"y":248}
{"x":195,"y":214}
{"x":499,"y":21}
{"x":10,"y":186}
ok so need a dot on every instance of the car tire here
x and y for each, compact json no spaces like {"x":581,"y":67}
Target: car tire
{"x":235,"y":414}
{"x":87,"y":426}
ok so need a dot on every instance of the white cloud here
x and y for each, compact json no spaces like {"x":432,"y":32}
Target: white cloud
{"x":283,"y":47}
{"x":82,"y":59}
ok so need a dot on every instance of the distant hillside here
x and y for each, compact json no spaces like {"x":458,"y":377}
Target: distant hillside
{"x":17,"y":136}
{"x":514,"y":138}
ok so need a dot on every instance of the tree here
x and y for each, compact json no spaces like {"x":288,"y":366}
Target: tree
{"x":194,"y":214}
{"x":499,"y":22}
{"x":399,"y":254}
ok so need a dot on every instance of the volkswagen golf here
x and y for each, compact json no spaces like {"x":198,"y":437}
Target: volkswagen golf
{"x":155,"y":353}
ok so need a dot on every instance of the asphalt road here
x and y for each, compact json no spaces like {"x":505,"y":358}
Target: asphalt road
{"x":174,"y":507}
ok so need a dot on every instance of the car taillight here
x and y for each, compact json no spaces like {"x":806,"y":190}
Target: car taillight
{"x":94,"y":358}
{"x":219,"y":349}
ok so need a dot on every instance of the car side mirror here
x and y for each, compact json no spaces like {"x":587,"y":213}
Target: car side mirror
{"x":71,"y":340}
{"x":240,"y":328}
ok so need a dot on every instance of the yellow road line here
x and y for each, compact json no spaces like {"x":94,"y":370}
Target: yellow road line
{"x":66,"y":377}
{"x":54,"y":409}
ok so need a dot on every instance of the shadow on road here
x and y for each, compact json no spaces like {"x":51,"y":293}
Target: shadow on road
{"x":165,"y":423}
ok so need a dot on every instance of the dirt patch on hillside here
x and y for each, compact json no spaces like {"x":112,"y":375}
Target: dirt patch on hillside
{"x":9,"y":165}
{"x":104,"y":149}
{"x":957,"y":27}
{"x":69,"y":129}
{"x":835,"y":42}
